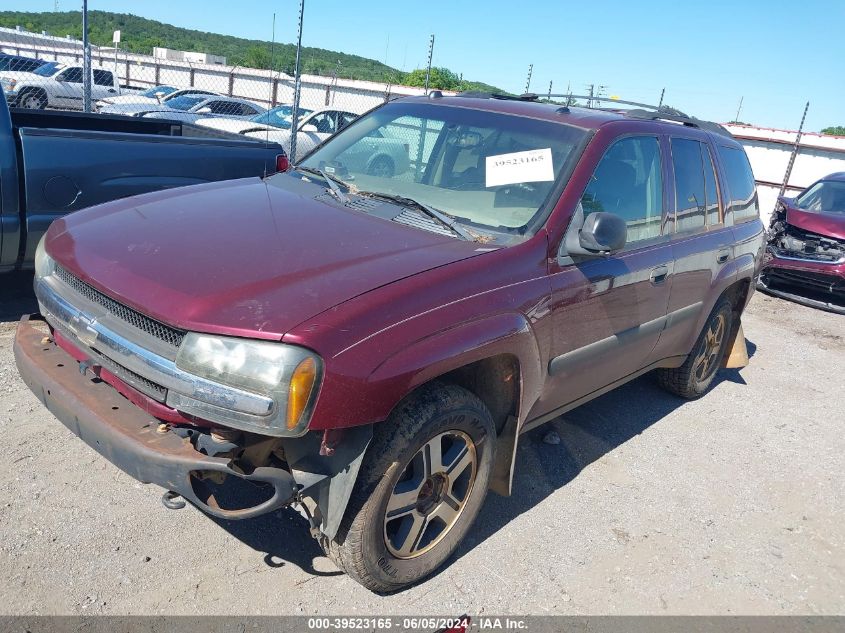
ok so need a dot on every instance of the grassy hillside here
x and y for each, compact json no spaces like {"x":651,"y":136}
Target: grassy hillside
{"x":140,"y":35}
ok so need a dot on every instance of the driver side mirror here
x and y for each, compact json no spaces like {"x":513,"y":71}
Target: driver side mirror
{"x":309,"y":128}
{"x":205,"y":110}
{"x":600,"y":234}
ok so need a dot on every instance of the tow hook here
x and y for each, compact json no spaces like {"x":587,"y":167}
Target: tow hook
{"x":172,"y":500}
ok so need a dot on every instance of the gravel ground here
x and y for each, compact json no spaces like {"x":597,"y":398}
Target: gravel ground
{"x":649,"y":505}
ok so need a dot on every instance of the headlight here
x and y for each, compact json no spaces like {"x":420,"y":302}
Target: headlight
{"x":44,"y":264}
{"x":288,"y":374}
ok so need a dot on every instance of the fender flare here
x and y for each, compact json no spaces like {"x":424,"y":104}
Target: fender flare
{"x":439,"y":353}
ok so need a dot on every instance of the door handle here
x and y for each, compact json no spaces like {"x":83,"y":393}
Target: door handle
{"x":659,"y":274}
{"x":723,"y":255}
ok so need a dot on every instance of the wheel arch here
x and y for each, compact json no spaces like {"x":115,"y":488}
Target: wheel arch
{"x":495,"y":358}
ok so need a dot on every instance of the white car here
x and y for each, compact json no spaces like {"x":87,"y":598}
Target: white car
{"x":56,"y":85}
{"x":311,"y":130}
{"x":150,"y":96}
{"x":278,"y":117}
{"x":189,"y":108}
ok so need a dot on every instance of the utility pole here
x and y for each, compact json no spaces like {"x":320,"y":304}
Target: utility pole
{"x":428,"y":70}
{"x":662,"y":92}
{"x":528,"y":81}
{"x":549,"y":98}
{"x":297,"y":85}
{"x":86,"y":60}
{"x":736,"y":119}
{"x":56,"y":6}
{"x":590,"y":100}
{"x":794,"y":152}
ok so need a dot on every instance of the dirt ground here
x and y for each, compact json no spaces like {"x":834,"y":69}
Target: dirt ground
{"x":733,"y":504}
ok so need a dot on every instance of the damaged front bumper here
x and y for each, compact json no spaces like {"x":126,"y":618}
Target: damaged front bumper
{"x":152,"y":452}
{"x":807,"y":282}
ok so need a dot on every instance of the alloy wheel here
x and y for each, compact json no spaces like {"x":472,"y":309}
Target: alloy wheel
{"x":430,"y":495}
{"x":707,"y":359}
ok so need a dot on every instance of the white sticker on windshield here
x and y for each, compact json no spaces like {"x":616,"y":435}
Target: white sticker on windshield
{"x":532,"y":166}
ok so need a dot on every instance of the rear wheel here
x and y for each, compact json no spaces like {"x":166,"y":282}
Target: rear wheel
{"x":692,"y":379}
{"x":420,"y":488}
{"x":33,"y":99}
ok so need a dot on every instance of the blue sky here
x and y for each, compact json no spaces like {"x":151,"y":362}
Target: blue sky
{"x":775,"y":54}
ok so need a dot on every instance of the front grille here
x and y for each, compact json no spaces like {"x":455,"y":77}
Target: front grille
{"x":156,"y":329}
{"x":144,"y":385}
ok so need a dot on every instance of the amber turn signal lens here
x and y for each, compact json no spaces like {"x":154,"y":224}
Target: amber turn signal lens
{"x":301,"y":384}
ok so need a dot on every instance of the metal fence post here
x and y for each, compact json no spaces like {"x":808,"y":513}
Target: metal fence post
{"x":297,"y":87}
{"x":86,"y":61}
{"x":795,"y":151}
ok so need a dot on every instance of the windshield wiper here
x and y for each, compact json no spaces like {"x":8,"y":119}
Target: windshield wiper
{"x":446,"y":220}
{"x":331,"y":181}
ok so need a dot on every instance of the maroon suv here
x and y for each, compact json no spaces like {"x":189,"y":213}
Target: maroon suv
{"x":369,"y":344}
{"x":805,"y":258}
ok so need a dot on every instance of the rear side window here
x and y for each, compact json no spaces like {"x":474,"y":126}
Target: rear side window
{"x":225,"y":107}
{"x":71,"y":75}
{"x":103,"y":78}
{"x":743,"y":193}
{"x":628,"y":182}
{"x":689,"y":184}
{"x":711,"y":194}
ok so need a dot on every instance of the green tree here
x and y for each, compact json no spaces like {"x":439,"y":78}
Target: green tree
{"x":440,"y":79}
{"x":256,"y":57}
{"x":836,"y":130}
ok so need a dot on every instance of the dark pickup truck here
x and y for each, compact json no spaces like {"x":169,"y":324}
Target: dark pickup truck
{"x":369,"y":347}
{"x":53,"y":163}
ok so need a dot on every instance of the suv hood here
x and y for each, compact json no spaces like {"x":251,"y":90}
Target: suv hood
{"x":827,"y":224}
{"x":245,"y":257}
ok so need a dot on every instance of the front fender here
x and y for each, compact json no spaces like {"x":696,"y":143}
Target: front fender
{"x":438,"y":354}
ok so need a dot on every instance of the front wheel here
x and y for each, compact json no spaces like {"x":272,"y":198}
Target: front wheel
{"x":33,"y":99}
{"x":424,"y":479}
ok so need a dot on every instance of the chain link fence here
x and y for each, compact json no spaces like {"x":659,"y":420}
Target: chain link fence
{"x":43,"y":71}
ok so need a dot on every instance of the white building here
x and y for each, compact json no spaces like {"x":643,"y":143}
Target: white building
{"x":188,"y":56}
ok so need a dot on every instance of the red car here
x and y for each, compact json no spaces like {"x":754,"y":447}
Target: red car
{"x":805,"y":258}
{"x":370,"y":347}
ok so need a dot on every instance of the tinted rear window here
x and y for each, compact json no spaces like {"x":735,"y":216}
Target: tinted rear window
{"x":743,"y":192}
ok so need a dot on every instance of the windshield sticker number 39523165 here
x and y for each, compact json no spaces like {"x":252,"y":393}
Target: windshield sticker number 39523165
{"x":535,"y":165}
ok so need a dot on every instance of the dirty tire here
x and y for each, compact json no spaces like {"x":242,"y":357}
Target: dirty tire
{"x":366,"y":547}
{"x":691,"y":380}
{"x":382,"y":166}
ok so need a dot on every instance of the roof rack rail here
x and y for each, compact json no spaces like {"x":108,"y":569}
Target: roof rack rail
{"x":640,"y":111}
{"x":477,"y":94}
{"x":647,"y":112}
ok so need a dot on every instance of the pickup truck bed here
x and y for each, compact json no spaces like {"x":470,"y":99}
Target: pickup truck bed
{"x":53,"y":163}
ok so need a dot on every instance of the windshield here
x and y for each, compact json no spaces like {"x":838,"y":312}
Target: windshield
{"x":279,"y":116}
{"x":488,"y":170}
{"x":48,"y":70}
{"x":185,"y":102}
{"x":157,"y":91}
{"x":827,"y":196}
